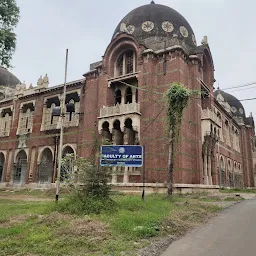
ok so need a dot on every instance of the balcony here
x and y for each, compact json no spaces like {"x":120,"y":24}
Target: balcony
{"x":56,"y":126}
{"x":207,"y":114}
{"x":118,"y":110}
{"x":120,"y":113}
{"x":4,"y":133}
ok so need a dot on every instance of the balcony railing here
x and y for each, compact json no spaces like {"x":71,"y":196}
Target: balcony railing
{"x":56,"y":126}
{"x":208,"y":114}
{"x":120,"y":109}
{"x":4,"y":133}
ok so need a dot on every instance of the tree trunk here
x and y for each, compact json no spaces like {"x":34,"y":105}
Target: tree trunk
{"x":170,"y":164}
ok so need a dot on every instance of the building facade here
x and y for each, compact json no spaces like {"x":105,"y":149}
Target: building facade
{"x":121,"y":101}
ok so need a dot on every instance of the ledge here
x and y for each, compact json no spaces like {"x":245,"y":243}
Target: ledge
{"x":122,"y":78}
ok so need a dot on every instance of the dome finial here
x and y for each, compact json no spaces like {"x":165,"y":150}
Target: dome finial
{"x":152,"y":2}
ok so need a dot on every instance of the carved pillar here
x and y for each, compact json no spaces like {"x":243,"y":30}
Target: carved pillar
{"x":123,"y":97}
{"x":126,"y":139}
{"x":126,"y":175}
{"x":133,"y":95}
{"x":209,"y":170}
{"x":10,"y":167}
{"x":114,"y":137}
{"x":114,"y":175}
{"x":205,"y":170}
{"x":137,"y":140}
{"x":32,"y":166}
{"x":126,"y":142}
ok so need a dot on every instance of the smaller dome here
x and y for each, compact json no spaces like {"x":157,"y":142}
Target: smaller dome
{"x":7,"y":78}
{"x":231,"y":104}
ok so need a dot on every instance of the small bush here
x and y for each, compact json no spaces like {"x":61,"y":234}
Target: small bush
{"x":79,"y":205}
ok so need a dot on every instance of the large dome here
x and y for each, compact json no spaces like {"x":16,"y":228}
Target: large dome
{"x":231,"y":104}
{"x":7,"y":78}
{"x":153,"y":24}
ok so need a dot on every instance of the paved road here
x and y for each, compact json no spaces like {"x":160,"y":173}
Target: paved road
{"x":233,"y":232}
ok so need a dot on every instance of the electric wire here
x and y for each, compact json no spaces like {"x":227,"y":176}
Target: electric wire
{"x":239,"y":86}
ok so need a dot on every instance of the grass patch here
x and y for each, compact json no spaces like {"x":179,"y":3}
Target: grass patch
{"x":44,"y":228}
{"x":237,"y":190}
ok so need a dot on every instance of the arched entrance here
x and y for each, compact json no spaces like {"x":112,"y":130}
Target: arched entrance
{"x":2,"y":160}
{"x":45,"y":168}
{"x":20,"y":168}
{"x":69,"y":154}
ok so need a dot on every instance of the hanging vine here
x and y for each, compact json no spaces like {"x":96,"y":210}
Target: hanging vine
{"x":177,"y":100}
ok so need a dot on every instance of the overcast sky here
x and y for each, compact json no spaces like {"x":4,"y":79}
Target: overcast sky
{"x":48,"y":27}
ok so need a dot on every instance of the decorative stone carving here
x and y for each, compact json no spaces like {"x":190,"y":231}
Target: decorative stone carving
{"x":147,"y":26}
{"x":43,"y":83}
{"x":128,"y":29}
{"x":119,"y":109}
{"x":46,"y":81}
{"x":167,"y":26}
{"x":241,"y":111}
{"x":205,"y":40}
{"x":20,"y":88}
{"x":40,"y":81}
{"x":183,"y":31}
{"x":22,"y":141}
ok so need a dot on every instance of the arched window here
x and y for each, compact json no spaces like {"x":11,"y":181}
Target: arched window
{"x":120,"y":66}
{"x":129,"y":60}
{"x":118,"y":97}
{"x":45,"y":168}
{"x":125,"y":63}
{"x":128,"y":95}
{"x":68,"y":165}
{"x":106,"y":133}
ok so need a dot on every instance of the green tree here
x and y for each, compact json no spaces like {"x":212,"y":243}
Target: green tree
{"x":9,"y":17}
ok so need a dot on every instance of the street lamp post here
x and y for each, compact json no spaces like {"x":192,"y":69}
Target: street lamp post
{"x":62,"y":115}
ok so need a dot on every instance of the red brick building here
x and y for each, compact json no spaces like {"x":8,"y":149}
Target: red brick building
{"x":121,"y":100}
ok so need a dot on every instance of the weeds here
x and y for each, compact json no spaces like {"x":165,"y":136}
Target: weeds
{"x":92,"y":227}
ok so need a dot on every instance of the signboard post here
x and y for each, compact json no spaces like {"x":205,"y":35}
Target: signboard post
{"x":123,"y":155}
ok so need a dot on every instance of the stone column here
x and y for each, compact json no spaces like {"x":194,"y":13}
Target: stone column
{"x":133,"y":95}
{"x":126,"y":175}
{"x":126,"y":142}
{"x":10,"y":167}
{"x":209,"y":170}
{"x":114,"y":169}
{"x":114,"y":175}
{"x":205,"y":170}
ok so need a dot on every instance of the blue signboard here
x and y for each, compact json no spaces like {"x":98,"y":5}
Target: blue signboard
{"x":131,"y":156}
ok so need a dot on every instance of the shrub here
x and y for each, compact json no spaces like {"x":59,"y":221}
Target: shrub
{"x":90,"y":191}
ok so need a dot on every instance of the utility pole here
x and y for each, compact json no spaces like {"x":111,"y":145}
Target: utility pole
{"x":62,"y":115}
